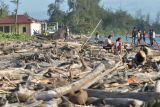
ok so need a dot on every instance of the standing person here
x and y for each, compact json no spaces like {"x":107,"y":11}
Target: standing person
{"x":127,"y":36}
{"x":119,"y":44}
{"x":97,"y":37}
{"x":144,"y":36}
{"x":154,"y":37}
{"x":139,"y":37}
{"x":67,"y":31}
{"x":151,"y":37}
{"x":134,"y":33}
{"x":66,"y":34}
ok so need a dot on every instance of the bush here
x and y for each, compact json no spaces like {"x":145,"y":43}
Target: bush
{"x":15,"y":36}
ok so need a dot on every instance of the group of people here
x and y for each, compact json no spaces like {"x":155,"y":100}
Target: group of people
{"x":109,"y":44}
{"x":142,"y":35}
{"x":113,"y":46}
{"x":137,"y":37}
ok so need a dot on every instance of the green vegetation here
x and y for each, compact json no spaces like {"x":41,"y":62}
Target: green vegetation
{"x":14,"y":36}
{"x":4,"y":11}
{"x":83,"y":15}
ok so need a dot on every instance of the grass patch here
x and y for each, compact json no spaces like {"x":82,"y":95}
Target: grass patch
{"x":15,"y":36}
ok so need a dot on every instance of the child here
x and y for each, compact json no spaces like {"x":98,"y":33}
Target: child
{"x":119,"y":44}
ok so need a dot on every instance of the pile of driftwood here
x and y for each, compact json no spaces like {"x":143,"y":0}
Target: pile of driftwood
{"x":63,"y":74}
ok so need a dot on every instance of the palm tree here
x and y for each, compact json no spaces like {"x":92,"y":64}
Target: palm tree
{"x":16,"y":2}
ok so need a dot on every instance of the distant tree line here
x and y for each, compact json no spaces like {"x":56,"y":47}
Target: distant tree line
{"x":83,"y":15}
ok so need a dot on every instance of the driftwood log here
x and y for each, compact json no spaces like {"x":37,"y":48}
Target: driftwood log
{"x":71,"y":87}
{"x":150,"y":52}
{"x":155,"y":59}
{"x":143,"y":96}
{"x":15,"y":73}
{"x":98,"y":73}
{"x":101,"y":75}
{"x":120,"y":102}
{"x":140,"y":58}
{"x":146,"y":77}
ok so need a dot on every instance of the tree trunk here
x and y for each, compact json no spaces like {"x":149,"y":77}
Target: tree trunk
{"x":121,"y":102}
{"x":17,"y":8}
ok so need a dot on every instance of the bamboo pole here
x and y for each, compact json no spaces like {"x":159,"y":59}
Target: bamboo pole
{"x":91,"y":34}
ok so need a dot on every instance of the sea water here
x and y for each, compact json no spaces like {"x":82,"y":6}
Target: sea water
{"x":126,"y":40}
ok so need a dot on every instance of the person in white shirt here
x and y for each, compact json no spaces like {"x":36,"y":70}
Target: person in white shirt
{"x":108,"y":43}
{"x":154,"y":34}
{"x":154,"y":37}
{"x":139,"y":37}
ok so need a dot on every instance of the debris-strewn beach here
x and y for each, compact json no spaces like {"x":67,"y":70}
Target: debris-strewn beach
{"x":54,"y":73}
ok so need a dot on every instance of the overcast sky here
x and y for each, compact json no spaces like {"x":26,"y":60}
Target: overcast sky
{"x":38,"y":8}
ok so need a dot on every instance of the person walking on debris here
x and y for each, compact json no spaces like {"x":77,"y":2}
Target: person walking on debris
{"x":139,"y":37}
{"x":154,"y":38}
{"x":134,"y":33}
{"x":66,"y":35}
{"x":67,"y":31}
{"x":144,"y":36}
{"x":97,"y":37}
{"x":151,"y":37}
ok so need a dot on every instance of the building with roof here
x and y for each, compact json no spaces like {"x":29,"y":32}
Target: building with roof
{"x":25,"y":24}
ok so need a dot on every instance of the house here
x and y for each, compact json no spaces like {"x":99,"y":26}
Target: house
{"x":25,"y":24}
